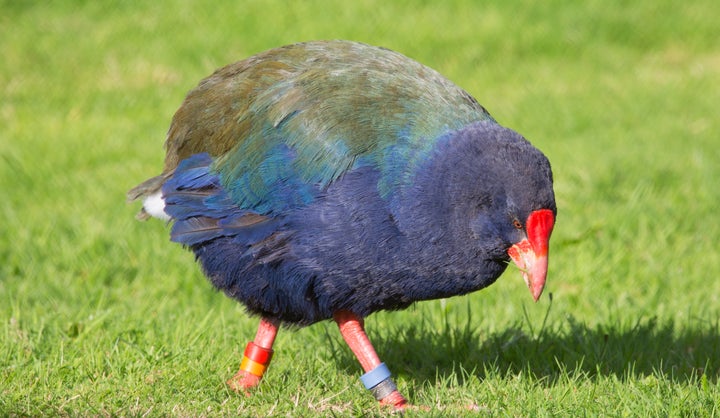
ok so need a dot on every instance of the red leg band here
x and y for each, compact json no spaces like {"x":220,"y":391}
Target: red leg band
{"x":258,"y":354}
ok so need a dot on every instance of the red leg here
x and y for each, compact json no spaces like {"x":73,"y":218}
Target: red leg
{"x":257,"y":357}
{"x":352,"y":329}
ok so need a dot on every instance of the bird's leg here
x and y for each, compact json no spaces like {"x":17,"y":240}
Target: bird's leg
{"x":377,"y":376}
{"x":256,"y":358}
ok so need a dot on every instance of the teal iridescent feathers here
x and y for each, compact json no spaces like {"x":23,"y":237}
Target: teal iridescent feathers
{"x":286,"y":123}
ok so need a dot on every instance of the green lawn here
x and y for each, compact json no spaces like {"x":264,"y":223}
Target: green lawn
{"x":101,"y":315}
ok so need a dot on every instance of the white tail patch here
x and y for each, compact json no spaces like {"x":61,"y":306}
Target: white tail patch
{"x":154,"y":205}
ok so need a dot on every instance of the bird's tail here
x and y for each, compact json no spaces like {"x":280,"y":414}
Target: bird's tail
{"x":146,"y":191}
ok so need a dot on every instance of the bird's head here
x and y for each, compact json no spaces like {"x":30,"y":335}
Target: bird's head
{"x":496,"y":198}
{"x":517,"y":204}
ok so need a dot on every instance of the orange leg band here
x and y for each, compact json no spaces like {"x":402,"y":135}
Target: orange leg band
{"x":253,"y":367}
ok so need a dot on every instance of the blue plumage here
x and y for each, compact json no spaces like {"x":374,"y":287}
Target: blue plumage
{"x":203,"y":211}
{"x":350,"y":246}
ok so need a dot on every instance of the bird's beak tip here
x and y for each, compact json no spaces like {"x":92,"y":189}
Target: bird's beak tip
{"x":532,"y":267}
{"x":536,"y":281}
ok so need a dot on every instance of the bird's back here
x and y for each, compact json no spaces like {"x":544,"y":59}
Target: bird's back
{"x":319,"y":107}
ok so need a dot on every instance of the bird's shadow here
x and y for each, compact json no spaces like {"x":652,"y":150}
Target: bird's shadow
{"x":641,"y":348}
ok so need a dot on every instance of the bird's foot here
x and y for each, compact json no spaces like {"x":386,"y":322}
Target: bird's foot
{"x":243,"y":381}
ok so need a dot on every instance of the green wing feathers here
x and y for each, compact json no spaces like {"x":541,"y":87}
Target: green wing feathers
{"x":311,"y":111}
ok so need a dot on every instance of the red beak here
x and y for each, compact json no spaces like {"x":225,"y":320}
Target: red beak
{"x":531,"y":254}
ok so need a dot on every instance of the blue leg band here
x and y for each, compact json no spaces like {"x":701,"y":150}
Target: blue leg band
{"x":375,"y":376}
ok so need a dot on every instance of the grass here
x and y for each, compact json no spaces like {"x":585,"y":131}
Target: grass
{"x":100,"y":315}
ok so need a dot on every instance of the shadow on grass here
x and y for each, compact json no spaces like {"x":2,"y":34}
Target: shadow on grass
{"x":643,"y":348}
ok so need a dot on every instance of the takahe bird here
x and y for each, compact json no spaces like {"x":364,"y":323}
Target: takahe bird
{"x":333,"y":179}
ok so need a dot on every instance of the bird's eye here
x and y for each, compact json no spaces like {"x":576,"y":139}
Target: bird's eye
{"x":517,"y":224}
